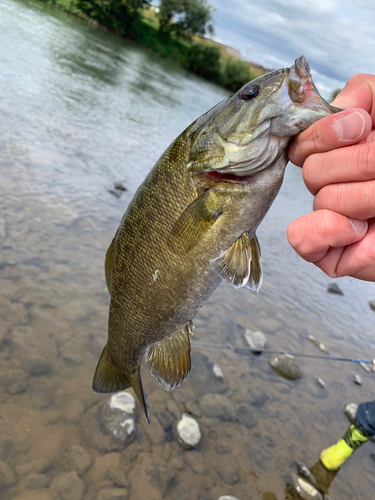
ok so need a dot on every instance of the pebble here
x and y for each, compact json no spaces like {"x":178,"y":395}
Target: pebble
{"x":305,"y":472}
{"x":68,"y":486}
{"x":334,"y":288}
{"x":14,"y":381}
{"x":112,"y":494}
{"x":304,"y":489}
{"x":350,"y":411}
{"x":195,"y":461}
{"x":321,"y":382}
{"x":231,"y":474}
{"x":150,"y":478}
{"x":202,"y":374}
{"x":255,"y":396}
{"x":76,"y":458}
{"x":246,"y":417}
{"x":365,"y":367}
{"x":372,"y":304}
{"x":218,"y":371}
{"x":117,"y":477}
{"x":357,"y":379}
{"x":256,"y":340}
{"x":35,"y":467}
{"x":37,"y":366}
{"x":284,"y":365}
{"x":218,"y":406}
{"x":188,"y":432}
{"x":227,"y":497}
{"x":36,"y":481}
{"x":318,"y":344}
{"x":7,"y":476}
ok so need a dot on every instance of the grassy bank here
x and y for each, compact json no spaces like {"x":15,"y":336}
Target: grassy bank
{"x":201,"y":56}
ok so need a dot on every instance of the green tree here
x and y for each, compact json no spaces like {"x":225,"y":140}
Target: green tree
{"x":119,"y":15}
{"x":236,"y":73}
{"x":186,"y":16}
{"x":204,"y":60}
{"x":334,"y":94}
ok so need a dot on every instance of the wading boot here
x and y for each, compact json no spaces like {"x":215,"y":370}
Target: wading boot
{"x":333,"y":457}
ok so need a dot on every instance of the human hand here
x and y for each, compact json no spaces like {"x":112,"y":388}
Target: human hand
{"x":337,"y":154}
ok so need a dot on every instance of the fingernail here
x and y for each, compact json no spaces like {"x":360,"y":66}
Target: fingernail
{"x":351,"y":126}
{"x":359,"y":226}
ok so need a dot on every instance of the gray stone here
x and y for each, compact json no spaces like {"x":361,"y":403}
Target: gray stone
{"x":255,"y":396}
{"x":304,"y":472}
{"x":256,"y":340}
{"x":218,"y":406}
{"x":304,"y":489}
{"x":195,"y":461}
{"x":117,"y":477}
{"x":76,"y":458}
{"x":334,"y":288}
{"x":14,"y":381}
{"x":202,"y":374}
{"x":372,"y":304}
{"x":113,"y":494}
{"x":231,"y":474}
{"x":36,"y":481}
{"x":35,"y":467}
{"x":39,"y":393}
{"x":36,"y":366}
{"x":318,"y":344}
{"x":357,"y":379}
{"x":227,"y":497}
{"x":321,"y":382}
{"x":7,"y":476}
{"x":150,"y":478}
{"x":68,"y":486}
{"x":246,"y":417}
{"x":365,"y":367}
{"x":188,"y":432}
{"x":284,"y":365}
{"x":350,"y":411}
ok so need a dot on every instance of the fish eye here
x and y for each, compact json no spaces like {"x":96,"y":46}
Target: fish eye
{"x":249,"y":92}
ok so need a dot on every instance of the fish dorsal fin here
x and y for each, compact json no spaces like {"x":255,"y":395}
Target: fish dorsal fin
{"x":195,"y":221}
{"x":169,"y":360}
{"x":256,"y":274}
{"x":109,"y":378}
{"x":108,"y":264}
{"x":233,"y":265}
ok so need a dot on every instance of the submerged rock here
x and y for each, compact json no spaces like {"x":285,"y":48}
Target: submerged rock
{"x":231,"y":474}
{"x":256,"y":340}
{"x":318,"y":344}
{"x":110,"y":425}
{"x":188,"y":431}
{"x":227,"y":497}
{"x":68,"y":486}
{"x":304,"y":489}
{"x":37,"y":366}
{"x":350,"y":411}
{"x":334,"y":288}
{"x":76,"y":458}
{"x":150,"y":478}
{"x":218,"y":406}
{"x":357,"y":379}
{"x":284,"y":365}
{"x":7,"y":476}
{"x":203,"y":375}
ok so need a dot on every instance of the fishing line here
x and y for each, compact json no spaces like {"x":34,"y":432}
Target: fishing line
{"x":244,"y":349}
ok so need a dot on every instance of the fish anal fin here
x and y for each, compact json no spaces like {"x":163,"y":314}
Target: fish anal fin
{"x":256,"y":273}
{"x":195,"y":221}
{"x":108,"y":264}
{"x":233,"y":265}
{"x":109,"y":378}
{"x":169,"y":360}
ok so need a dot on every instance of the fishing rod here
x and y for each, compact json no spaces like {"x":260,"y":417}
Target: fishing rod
{"x":268,"y":351}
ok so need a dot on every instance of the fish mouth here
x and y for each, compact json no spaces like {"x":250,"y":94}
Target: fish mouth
{"x":302,"y":90}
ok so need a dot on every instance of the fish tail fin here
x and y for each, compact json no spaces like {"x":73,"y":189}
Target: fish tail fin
{"x":109,"y":378}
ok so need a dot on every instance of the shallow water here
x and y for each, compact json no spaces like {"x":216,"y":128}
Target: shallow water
{"x":80,"y":109}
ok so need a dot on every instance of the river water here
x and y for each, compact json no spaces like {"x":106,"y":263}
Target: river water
{"x":80,"y":110}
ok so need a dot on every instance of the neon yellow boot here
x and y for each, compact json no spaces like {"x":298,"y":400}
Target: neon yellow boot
{"x":333,"y":457}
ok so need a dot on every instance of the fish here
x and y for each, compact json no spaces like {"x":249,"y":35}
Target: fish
{"x":192,"y":224}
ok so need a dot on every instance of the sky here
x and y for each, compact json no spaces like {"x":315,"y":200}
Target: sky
{"x":337,"y":37}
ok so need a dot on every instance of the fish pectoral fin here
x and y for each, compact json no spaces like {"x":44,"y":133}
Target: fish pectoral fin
{"x":195,"y":221}
{"x":256,"y":273}
{"x":109,"y":378}
{"x":234,"y":265}
{"x":108,"y":264}
{"x":169,"y":360}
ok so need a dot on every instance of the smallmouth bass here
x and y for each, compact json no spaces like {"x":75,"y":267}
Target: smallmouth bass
{"x":192,"y":224}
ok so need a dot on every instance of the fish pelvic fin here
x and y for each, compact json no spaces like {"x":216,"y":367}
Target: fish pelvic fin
{"x":109,"y":378}
{"x":169,"y":361}
{"x":256,"y":273}
{"x":195,"y":221}
{"x":233,"y":265}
